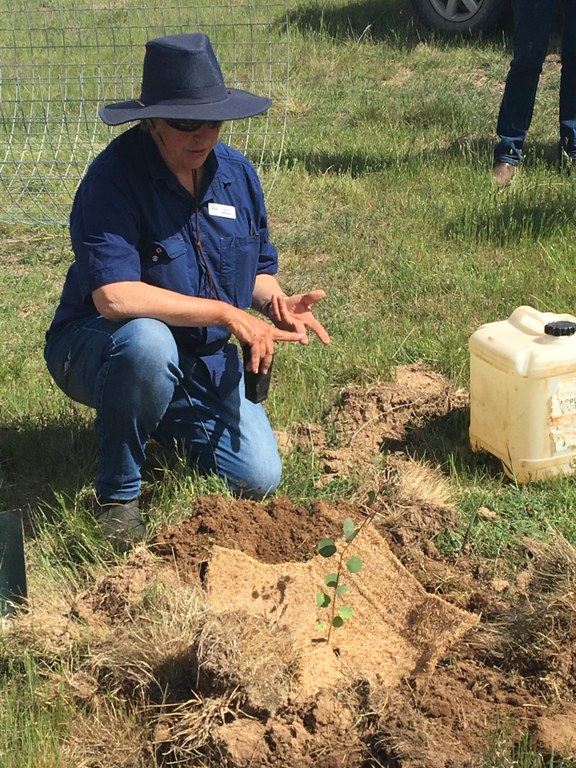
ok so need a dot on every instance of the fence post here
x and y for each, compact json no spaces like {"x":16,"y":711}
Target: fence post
{"x":12,"y":564}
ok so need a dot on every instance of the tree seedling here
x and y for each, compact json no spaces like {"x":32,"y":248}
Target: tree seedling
{"x":333,"y":582}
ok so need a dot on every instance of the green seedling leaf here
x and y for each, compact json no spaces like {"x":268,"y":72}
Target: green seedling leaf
{"x":349,"y":529}
{"x":326,"y":547}
{"x":322,"y":600}
{"x":371,"y":498}
{"x":331,"y":580}
{"x":337,"y":622}
{"x":321,"y":625}
{"x":346,"y":612}
{"x":341,"y":589}
{"x":354,"y":565}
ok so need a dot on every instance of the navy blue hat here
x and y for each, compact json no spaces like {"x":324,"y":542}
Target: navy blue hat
{"x":182,"y":80}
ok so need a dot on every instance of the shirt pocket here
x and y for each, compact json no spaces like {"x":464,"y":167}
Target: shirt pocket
{"x":238,"y":266}
{"x":164,"y":263}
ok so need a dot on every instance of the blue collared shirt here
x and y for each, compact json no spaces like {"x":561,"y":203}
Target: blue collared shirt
{"x":133,"y":221}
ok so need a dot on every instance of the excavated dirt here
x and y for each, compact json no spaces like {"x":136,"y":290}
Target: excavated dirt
{"x":445,"y":661}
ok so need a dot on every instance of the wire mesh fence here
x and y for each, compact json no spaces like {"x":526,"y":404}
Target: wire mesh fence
{"x":60,"y":60}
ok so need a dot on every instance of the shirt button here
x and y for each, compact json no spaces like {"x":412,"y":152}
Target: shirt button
{"x":154,"y":258}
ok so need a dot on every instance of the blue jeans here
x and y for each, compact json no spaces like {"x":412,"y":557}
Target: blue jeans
{"x":532,"y":24}
{"x":142,"y":385}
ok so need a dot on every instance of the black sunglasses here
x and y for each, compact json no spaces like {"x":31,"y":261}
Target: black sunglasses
{"x":189,"y":126}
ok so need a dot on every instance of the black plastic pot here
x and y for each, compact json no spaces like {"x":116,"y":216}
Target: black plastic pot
{"x":13,"y":589}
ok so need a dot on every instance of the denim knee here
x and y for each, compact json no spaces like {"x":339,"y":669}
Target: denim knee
{"x":259,"y":479}
{"x":94,"y":358}
{"x":147,"y":346}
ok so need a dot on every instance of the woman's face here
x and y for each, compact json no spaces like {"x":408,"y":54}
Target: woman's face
{"x":184,"y":151}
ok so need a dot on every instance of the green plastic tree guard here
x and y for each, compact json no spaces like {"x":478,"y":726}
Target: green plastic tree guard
{"x":12,"y":564}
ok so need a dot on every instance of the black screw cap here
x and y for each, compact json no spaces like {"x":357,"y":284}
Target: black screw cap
{"x":560,"y":328}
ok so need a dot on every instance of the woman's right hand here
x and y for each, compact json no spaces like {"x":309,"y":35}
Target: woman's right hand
{"x":259,"y":335}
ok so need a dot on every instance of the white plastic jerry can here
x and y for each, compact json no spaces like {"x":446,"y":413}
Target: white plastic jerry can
{"x":523,"y":393}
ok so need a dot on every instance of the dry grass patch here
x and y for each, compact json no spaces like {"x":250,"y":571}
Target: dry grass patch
{"x":536,"y":637}
{"x":420,"y":481}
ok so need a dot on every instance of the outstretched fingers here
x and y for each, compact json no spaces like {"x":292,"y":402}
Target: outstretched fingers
{"x":295,"y":312}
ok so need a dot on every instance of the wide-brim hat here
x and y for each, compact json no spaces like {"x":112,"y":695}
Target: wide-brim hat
{"x":182,"y":80}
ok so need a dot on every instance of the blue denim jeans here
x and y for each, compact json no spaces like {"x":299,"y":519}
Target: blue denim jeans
{"x":532,"y":24}
{"x":141,"y":385}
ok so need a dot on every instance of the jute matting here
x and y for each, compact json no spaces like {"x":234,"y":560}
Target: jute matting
{"x":398,"y":630}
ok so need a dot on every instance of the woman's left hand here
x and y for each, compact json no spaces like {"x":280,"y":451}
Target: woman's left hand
{"x":293,"y":313}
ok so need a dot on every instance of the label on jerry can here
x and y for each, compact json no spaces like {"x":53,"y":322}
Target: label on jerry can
{"x":563,"y":415}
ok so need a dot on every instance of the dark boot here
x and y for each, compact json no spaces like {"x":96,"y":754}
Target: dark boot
{"x":121,"y":523}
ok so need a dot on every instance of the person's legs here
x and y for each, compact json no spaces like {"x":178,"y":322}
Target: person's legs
{"x":126,"y":371}
{"x":568,"y":81}
{"x":532,"y":24}
{"x":228,"y":436}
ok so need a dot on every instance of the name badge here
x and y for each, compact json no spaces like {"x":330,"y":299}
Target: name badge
{"x":224,"y":211}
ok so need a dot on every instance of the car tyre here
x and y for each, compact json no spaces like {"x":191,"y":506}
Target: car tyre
{"x":460,"y":17}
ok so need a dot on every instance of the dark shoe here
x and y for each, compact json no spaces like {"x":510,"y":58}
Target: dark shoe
{"x":503,"y":173}
{"x":121,"y":523}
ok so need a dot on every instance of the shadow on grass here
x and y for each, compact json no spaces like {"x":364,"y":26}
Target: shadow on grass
{"x":393,"y":21}
{"x":476,"y":151}
{"x":525,"y":209}
{"x":528,"y":208}
{"x":397,"y":21}
{"x":443,"y":440}
{"x":511,"y":220}
{"x":47,"y":474}
{"x":41,"y":463}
